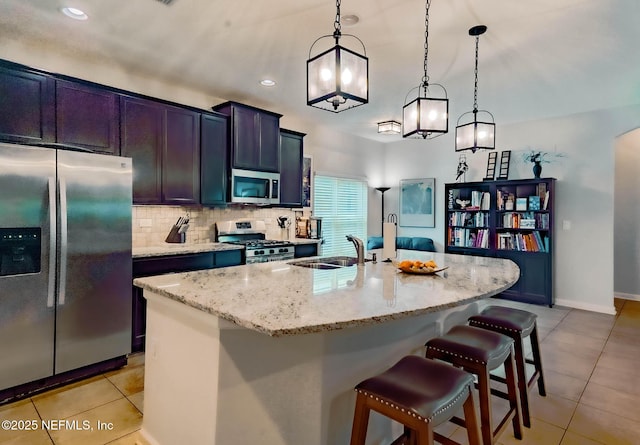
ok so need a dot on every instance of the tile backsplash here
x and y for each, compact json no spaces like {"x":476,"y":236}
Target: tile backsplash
{"x":151,"y":224}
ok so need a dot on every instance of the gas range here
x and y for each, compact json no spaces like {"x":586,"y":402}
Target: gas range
{"x":262,"y":251}
{"x":252,"y":234}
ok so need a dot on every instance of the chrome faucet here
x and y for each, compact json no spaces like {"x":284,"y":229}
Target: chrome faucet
{"x":359,"y":245}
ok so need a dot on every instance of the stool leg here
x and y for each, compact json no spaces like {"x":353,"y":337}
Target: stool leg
{"x":514,"y":397}
{"x":424,"y":435}
{"x":360,"y":421}
{"x":535,"y":349}
{"x":523,"y":385}
{"x":471,"y":421}
{"x":484,"y":394}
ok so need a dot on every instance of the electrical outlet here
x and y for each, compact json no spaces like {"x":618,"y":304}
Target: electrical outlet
{"x":566,"y":225}
{"x":145,"y":222}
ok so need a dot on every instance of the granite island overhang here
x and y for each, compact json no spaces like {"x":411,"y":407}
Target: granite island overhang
{"x":269,"y":353}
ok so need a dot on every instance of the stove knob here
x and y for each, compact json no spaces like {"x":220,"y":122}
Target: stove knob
{"x":272,"y":251}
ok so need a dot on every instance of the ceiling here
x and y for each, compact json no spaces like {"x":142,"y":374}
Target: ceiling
{"x":538,"y":59}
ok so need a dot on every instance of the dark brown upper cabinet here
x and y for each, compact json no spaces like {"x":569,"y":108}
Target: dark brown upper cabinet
{"x":142,"y":135}
{"x":87,"y":117}
{"x":214,"y":159}
{"x":164,"y":142}
{"x":255,"y":137}
{"x":291,"y":151}
{"x":27,"y":106}
{"x":181,"y":157}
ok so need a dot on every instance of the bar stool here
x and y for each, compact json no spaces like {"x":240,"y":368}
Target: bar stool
{"x":420,"y":394}
{"x":518,"y":325}
{"x":480,"y":351}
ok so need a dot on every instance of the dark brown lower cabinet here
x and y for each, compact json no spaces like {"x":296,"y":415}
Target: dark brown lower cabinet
{"x":147,"y":266}
{"x":303,"y":250}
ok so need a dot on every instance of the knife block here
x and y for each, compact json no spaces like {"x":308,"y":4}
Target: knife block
{"x":175,"y":237}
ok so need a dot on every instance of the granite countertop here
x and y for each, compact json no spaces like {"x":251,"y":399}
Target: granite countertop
{"x":305,"y":241}
{"x":279,"y":299}
{"x":180,"y":249}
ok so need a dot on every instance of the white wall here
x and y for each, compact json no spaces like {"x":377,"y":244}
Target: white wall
{"x":583,"y":269}
{"x":627,"y":216}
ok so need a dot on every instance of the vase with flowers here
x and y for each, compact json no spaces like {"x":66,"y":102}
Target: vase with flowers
{"x":537,"y":158}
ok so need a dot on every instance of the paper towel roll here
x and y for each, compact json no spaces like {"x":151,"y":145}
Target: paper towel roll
{"x":388,"y":241}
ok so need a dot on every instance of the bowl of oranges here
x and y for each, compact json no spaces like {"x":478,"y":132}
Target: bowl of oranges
{"x":419,"y":267}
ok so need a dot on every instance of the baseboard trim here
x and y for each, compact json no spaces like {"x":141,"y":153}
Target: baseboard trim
{"x":622,"y":295}
{"x":604,"y":309}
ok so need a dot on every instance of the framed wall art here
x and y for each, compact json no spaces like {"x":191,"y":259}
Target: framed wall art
{"x":417,"y":202}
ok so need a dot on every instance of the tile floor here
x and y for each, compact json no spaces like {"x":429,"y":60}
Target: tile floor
{"x":114,"y":398}
{"x":591,"y":363}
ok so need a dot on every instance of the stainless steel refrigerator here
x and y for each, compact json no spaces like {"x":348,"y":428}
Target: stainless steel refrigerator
{"x":65,"y":261}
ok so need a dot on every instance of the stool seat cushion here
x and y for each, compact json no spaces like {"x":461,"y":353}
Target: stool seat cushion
{"x":429,"y":390}
{"x":476,"y":344}
{"x":505,"y":319}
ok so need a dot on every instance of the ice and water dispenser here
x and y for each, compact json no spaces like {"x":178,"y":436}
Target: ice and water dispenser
{"x":20,"y":250}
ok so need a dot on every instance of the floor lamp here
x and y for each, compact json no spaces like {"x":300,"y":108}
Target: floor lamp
{"x":382,"y":190}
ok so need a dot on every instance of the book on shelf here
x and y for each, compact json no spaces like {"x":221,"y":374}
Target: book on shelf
{"x":542,"y":221}
{"x":485,"y":201}
{"x":546,"y":200}
{"x":527,"y":223}
{"x":525,"y":242}
{"x":541,"y":190}
{"x":534,"y":202}
{"x":463,"y":237}
{"x":521,"y":204}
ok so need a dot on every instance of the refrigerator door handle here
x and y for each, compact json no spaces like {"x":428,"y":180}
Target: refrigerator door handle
{"x":52,"y":243}
{"x":62,"y":286}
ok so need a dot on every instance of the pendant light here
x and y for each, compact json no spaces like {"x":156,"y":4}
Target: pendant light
{"x":337,"y":79}
{"x":426,"y":117}
{"x":477,"y":134}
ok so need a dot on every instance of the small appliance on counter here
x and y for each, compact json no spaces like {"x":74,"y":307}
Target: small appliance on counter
{"x":284,"y":223}
{"x":252,"y":235}
{"x":302,"y":227}
{"x":178,"y":233}
{"x":315,"y":227}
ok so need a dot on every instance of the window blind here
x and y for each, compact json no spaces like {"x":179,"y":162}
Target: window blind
{"x":342,"y":205}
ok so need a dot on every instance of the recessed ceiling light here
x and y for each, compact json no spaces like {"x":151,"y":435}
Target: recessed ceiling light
{"x":74,"y":13}
{"x":268,"y":83}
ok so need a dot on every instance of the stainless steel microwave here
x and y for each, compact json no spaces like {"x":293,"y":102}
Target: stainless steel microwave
{"x":255,"y":187}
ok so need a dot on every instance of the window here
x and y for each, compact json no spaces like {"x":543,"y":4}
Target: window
{"x":342,"y":205}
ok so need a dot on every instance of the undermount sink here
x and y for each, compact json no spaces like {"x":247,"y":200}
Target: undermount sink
{"x":331,"y":262}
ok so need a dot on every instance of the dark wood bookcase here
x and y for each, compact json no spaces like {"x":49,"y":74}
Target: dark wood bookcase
{"x":506,"y":219}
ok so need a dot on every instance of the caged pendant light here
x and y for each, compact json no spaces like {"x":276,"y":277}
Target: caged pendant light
{"x":476,"y":134}
{"x":337,"y":79}
{"x":426,"y":117}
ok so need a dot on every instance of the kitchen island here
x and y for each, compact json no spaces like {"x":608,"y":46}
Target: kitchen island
{"x":269,"y":353}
